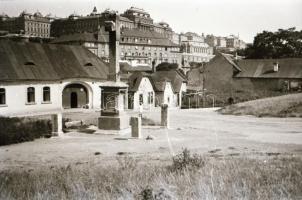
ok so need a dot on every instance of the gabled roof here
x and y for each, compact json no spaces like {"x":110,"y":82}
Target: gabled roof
{"x":263,"y":68}
{"x":48,"y":62}
{"x":135,"y":79}
{"x":160,"y":78}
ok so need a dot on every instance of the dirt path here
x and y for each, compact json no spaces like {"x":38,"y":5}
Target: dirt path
{"x":203,"y":131}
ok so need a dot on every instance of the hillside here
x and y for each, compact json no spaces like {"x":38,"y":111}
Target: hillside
{"x":281,"y":106}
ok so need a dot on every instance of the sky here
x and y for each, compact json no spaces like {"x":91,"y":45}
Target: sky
{"x":245,"y":18}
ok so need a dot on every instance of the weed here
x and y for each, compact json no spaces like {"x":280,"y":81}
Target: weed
{"x":185,"y":160}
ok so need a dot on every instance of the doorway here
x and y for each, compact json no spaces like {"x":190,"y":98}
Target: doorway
{"x":73,"y":100}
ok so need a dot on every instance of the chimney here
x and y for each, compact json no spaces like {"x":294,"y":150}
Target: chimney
{"x":113,"y":27}
{"x":276,"y":67}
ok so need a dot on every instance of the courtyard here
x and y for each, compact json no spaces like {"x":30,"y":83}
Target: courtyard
{"x":202,"y":131}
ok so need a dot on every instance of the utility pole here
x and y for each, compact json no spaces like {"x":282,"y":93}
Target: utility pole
{"x":203,"y":86}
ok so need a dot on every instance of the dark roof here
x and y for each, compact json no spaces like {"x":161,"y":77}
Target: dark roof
{"x":101,"y":37}
{"x":43,"y":62}
{"x":160,"y":78}
{"x":157,"y":39}
{"x":263,"y":68}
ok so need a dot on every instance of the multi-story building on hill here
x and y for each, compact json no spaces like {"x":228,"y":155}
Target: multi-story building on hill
{"x":132,"y":18}
{"x":34,"y":25}
{"x":194,"y":48}
{"x":142,"y":42}
{"x":138,"y":47}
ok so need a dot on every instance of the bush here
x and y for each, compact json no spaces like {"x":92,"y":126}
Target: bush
{"x":16,"y":130}
{"x":187,"y":161}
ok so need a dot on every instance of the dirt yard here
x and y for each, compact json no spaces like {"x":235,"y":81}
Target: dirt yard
{"x":201,"y":130}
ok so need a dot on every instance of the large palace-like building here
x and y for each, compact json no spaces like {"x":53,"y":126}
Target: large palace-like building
{"x":35,"y":25}
{"x":133,"y":18}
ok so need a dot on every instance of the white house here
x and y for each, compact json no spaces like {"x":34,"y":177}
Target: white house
{"x":140,"y":92}
{"x":43,"y":78}
{"x":169,"y":87}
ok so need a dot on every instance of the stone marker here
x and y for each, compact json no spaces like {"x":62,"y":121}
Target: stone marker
{"x":136,"y":127}
{"x":165,"y":116}
{"x":57,"y":127}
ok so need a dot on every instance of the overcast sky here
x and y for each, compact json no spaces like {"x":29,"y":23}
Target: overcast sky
{"x":218,"y":17}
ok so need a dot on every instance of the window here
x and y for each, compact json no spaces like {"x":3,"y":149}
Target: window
{"x":46,"y":94}
{"x":30,"y":95}
{"x":150,"y":97}
{"x":141,"y":99}
{"x":2,"y":96}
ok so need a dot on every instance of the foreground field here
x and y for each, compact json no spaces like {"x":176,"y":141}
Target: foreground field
{"x":281,"y":106}
{"x":198,"y":178}
{"x":242,"y":157}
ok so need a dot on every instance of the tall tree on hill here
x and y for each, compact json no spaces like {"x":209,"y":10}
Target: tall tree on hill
{"x":285,"y":43}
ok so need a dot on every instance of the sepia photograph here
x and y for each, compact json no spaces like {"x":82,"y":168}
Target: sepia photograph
{"x":150,"y":100}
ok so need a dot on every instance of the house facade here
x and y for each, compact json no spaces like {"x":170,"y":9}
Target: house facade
{"x":140,"y":92}
{"x":38,"y":78}
{"x":170,"y":87}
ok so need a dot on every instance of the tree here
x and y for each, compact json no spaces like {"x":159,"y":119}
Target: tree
{"x":284,"y":43}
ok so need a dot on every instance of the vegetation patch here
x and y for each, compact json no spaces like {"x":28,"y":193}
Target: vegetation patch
{"x":193,"y":177}
{"x":16,"y":130}
{"x":281,"y":106}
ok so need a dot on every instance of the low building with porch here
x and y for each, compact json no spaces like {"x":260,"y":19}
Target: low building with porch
{"x":37,"y":78}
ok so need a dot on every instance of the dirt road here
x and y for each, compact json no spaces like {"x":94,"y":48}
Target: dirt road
{"x":202,"y":130}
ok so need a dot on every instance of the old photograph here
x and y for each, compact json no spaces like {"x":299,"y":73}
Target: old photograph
{"x":151,"y":100}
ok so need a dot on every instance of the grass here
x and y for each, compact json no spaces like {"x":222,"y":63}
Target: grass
{"x":229,"y":178}
{"x":281,"y":106}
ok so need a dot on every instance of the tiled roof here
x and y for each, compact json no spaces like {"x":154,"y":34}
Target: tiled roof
{"x":48,"y":62}
{"x":159,"y":79}
{"x":263,"y":68}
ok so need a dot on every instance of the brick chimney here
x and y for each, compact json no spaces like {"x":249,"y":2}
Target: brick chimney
{"x":276,"y":67}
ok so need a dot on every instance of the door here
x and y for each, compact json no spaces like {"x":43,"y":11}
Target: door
{"x":73,"y":100}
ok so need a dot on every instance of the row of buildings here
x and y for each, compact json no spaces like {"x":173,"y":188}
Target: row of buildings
{"x":230,"y":79}
{"x":47,"y":78}
{"x":144,"y":42}
{"x":229,"y":43}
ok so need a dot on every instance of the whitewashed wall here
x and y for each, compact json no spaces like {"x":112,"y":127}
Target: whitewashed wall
{"x":169,"y":97}
{"x":16,"y":97}
{"x":144,"y":88}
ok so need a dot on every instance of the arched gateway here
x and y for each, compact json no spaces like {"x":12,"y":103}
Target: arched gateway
{"x":75,"y":95}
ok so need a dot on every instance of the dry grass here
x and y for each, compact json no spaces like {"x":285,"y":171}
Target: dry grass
{"x":282,"y":106}
{"x":232,"y":178}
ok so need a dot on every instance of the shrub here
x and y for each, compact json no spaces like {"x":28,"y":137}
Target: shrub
{"x":16,"y":130}
{"x":185,"y":160}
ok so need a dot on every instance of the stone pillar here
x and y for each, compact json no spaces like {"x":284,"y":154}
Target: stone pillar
{"x":57,"y":124}
{"x":165,"y":116}
{"x":136,"y":127}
